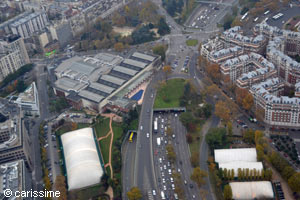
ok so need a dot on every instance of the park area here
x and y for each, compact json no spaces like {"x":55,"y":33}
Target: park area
{"x":169,"y":94}
{"x":191,"y":42}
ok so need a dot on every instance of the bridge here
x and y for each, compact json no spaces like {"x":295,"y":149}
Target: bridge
{"x":215,"y":2}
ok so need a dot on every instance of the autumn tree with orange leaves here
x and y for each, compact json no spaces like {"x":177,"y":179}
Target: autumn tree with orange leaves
{"x":222,"y":111}
{"x":213,"y":70}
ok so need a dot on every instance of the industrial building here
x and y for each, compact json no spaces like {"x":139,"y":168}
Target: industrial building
{"x":92,"y":82}
{"x":82,"y":159}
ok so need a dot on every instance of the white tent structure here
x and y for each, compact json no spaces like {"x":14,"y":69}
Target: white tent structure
{"x":252,"y":190}
{"x":82,"y":159}
{"x":243,"y":165}
{"x":232,"y":155}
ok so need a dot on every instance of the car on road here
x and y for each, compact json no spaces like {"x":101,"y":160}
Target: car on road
{"x":141,"y":128}
{"x":164,"y":180}
{"x":185,"y":182}
{"x":178,"y":170}
{"x":173,"y":136}
{"x":165,"y":188}
{"x":154,"y":192}
{"x":170,"y":171}
{"x":165,"y":167}
{"x":173,"y":187}
{"x":163,"y":174}
{"x":191,"y":186}
{"x":172,"y":180}
{"x":175,"y":196}
{"x":194,"y":196}
{"x":160,"y":160}
{"x":148,"y":135}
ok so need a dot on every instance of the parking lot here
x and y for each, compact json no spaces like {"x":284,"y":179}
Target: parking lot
{"x":164,"y":169}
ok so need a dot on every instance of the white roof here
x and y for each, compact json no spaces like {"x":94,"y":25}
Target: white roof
{"x":82,"y":160}
{"x":251,"y":190}
{"x":241,"y":164}
{"x":232,"y":155}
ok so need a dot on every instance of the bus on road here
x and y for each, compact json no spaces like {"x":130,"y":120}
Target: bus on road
{"x":244,"y":16}
{"x":131,"y":136}
{"x":267,"y":12}
{"x":155,"y":126}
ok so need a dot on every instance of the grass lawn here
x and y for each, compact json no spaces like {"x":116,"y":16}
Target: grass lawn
{"x":169,"y":93}
{"x":86,"y":193}
{"x":104,"y":146}
{"x":191,"y":42}
{"x":117,"y":129}
{"x":67,"y":127}
{"x":102,"y":126}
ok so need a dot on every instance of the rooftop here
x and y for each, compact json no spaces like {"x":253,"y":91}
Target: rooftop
{"x":11,"y":175}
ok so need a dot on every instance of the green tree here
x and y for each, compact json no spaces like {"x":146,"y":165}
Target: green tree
{"x":240,"y":174}
{"x":229,"y":129}
{"x":195,"y":159}
{"x":294,"y":182}
{"x":249,"y":136}
{"x":288,"y":171}
{"x":134,"y":194}
{"x":268,"y":174}
{"x":160,"y":50}
{"x":163,"y":27}
{"x":198,"y":176}
{"x":216,"y":138}
{"x":227,"y":192}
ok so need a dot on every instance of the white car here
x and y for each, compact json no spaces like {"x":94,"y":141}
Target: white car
{"x":164,"y":180}
{"x":165,"y":188}
{"x":148,"y":135}
{"x":154,"y":192}
{"x":172,"y":180}
{"x":170,"y":171}
{"x":141,"y":128}
{"x":162,"y":174}
{"x":165,"y":167}
{"x":162,"y":126}
{"x":160,"y":160}
{"x":162,"y":120}
{"x":179,"y":170}
{"x":161,"y":168}
{"x":173,"y":187}
{"x":175,"y":196}
{"x":175,"y":114}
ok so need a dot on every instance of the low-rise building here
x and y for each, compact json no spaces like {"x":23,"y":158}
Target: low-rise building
{"x":28,"y":100}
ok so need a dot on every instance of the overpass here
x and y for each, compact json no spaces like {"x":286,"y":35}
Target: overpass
{"x":215,"y":2}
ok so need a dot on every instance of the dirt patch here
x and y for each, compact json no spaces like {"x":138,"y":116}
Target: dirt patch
{"x":124,"y":31}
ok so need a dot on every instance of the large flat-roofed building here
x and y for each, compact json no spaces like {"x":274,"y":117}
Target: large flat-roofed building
{"x":252,"y":190}
{"x":28,"y":100}
{"x":92,"y":81}
{"x":15,"y":177}
{"x":82,"y":159}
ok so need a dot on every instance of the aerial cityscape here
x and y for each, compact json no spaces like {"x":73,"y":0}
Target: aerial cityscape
{"x":150,"y":99}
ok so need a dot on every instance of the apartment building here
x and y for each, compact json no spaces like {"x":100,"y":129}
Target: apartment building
{"x":233,"y":37}
{"x":277,"y":110}
{"x":247,"y":69}
{"x":291,"y":39}
{"x":222,"y":55}
{"x":26,"y":24}
{"x":13,"y":55}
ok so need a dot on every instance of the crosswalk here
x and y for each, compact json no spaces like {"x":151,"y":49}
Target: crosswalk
{"x":150,"y":196}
